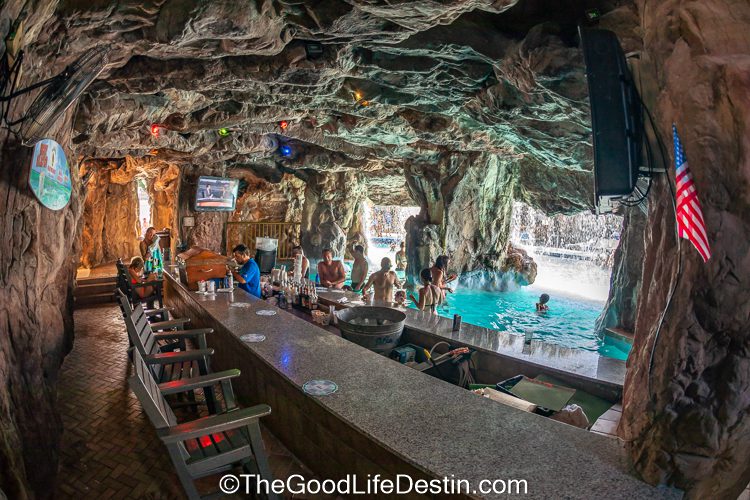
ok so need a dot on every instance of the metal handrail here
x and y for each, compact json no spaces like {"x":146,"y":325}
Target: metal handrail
{"x":246,"y":232}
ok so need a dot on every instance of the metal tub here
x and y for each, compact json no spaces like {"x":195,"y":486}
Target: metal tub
{"x":376,"y":328}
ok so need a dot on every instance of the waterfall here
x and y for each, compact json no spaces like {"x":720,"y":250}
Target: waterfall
{"x":573,"y":253}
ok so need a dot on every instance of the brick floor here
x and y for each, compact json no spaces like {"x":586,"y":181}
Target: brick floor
{"x":109,"y":449}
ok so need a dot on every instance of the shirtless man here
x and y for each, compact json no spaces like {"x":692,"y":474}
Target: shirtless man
{"x":384,"y":281}
{"x":401,"y":258}
{"x":331,"y":272}
{"x":359,"y":269}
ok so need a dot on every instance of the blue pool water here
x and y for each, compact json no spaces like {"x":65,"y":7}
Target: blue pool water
{"x":569,"y":321}
{"x":578,"y":294}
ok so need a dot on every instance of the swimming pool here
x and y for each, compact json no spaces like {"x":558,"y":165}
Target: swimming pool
{"x":569,"y":321}
{"x":578,"y":292}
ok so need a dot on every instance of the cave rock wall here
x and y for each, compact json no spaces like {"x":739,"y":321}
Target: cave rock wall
{"x":111,"y":227}
{"x":687,"y":420}
{"x":332,"y":205}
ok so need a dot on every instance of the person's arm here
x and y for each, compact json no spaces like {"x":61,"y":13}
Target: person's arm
{"x":237,"y":276}
{"x":144,"y":250}
{"x":340,"y":274}
{"x":305,"y":265}
{"x":368,"y":284}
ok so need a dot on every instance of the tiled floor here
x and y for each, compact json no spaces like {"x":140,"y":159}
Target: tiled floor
{"x":109,"y":449}
{"x":607,"y":423}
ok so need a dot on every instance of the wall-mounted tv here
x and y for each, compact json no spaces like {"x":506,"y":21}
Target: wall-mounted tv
{"x":616,"y":118}
{"x":216,"y":193}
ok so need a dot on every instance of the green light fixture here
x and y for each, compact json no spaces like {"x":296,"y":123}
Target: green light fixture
{"x":223,"y":132}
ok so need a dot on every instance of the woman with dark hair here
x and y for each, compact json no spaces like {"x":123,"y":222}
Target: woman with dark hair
{"x":542,"y":306}
{"x":430,"y":296}
{"x":135,"y":270}
{"x":439,"y":272}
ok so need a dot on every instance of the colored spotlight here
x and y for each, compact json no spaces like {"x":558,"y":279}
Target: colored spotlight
{"x":223,"y":132}
{"x":283,"y":124}
{"x":155,"y":130}
{"x":285,"y":150}
{"x":357,"y":95}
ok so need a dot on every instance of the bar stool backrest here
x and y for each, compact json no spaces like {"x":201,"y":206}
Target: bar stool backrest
{"x":142,"y":337}
{"x":144,"y":386}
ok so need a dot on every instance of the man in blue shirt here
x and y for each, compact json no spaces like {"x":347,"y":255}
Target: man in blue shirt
{"x":248,"y":275}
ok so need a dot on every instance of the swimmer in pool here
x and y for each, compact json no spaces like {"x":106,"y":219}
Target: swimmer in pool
{"x":542,"y":306}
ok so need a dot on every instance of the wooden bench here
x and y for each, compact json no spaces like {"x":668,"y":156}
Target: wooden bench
{"x":208,"y":445}
{"x":170,"y":361}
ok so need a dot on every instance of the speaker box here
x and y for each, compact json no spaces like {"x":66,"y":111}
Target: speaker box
{"x":615,"y":114}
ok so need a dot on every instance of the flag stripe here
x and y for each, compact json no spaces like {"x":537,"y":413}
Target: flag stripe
{"x":690,"y":223}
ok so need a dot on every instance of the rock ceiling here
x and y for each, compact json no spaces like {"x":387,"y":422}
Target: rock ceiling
{"x":397,"y":83}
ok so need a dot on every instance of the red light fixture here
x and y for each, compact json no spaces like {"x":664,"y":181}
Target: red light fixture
{"x":155,"y":130}
{"x":283,"y":124}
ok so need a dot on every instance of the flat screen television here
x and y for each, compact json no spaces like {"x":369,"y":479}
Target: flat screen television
{"x":616,"y":118}
{"x":216,"y":194}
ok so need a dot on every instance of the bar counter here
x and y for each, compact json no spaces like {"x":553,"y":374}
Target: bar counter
{"x":389,"y":419}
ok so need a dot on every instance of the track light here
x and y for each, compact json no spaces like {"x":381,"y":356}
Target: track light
{"x":223,"y":132}
{"x":285,"y":150}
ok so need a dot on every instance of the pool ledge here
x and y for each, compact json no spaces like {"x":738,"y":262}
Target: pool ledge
{"x":585,"y":369}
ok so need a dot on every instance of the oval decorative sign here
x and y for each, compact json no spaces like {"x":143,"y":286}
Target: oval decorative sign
{"x":49,"y":177}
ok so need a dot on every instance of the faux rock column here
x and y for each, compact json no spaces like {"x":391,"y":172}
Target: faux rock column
{"x":332,"y":201}
{"x":625,"y":282}
{"x":110,"y":218}
{"x":38,"y":260}
{"x":692,"y":428}
{"x":466,"y":202}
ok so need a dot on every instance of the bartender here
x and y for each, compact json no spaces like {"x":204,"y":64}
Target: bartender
{"x":247,"y":276}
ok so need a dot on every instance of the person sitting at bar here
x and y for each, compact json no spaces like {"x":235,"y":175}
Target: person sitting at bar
{"x":430,"y":296}
{"x":439,"y":271}
{"x":331,"y":272}
{"x":383,"y":281}
{"x":297,"y":250}
{"x":247,"y":276}
{"x":359,"y":269}
{"x":135,"y":270}
{"x":401,"y":258}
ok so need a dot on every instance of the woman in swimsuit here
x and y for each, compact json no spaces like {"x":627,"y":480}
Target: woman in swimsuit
{"x":136,"y":272}
{"x":430,"y":296}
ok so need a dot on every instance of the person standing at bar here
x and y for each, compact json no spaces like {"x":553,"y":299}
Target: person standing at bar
{"x":401,"y":258}
{"x":359,"y":269}
{"x":247,"y":276}
{"x":150,"y":250}
{"x":383,"y":281}
{"x":331,"y":272}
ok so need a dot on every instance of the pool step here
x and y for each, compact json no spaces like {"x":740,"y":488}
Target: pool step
{"x":620,"y":334}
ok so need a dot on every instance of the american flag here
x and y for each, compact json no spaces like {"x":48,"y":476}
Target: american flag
{"x":690,"y":223}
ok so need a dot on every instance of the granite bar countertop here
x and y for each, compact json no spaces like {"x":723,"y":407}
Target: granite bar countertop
{"x":440,"y":428}
{"x":580,"y":362}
